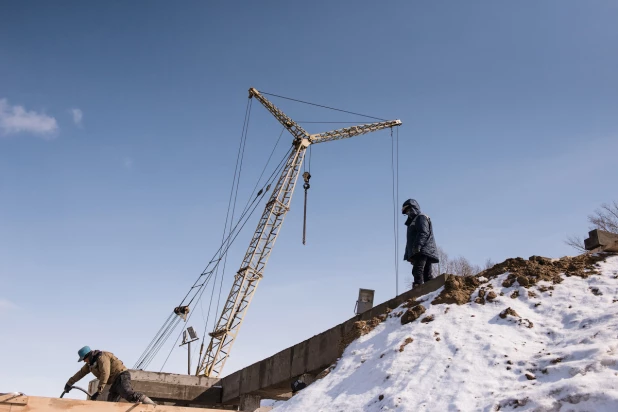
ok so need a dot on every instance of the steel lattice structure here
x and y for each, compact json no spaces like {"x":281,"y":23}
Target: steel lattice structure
{"x":252,"y":268}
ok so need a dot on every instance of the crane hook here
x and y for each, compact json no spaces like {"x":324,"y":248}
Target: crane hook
{"x":306,"y":186}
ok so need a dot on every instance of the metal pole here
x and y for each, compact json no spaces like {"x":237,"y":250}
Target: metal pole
{"x":189,"y":365}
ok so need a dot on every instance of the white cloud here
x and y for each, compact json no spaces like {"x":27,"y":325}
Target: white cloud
{"x":15,"y":119}
{"x":77,"y":116}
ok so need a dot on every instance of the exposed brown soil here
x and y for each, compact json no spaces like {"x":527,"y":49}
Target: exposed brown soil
{"x":526,"y":322}
{"x":480,"y":299}
{"x":508,"y":311}
{"x":405,"y":343}
{"x":412,"y":314}
{"x":410,"y":303}
{"x":428,"y":319}
{"x":325,"y":372}
{"x":527,"y":273}
{"x":457,"y":289}
{"x":359,"y":329}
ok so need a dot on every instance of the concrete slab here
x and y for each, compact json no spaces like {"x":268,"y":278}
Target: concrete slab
{"x":181,"y":390}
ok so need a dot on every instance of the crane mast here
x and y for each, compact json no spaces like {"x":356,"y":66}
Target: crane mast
{"x":254,"y":262}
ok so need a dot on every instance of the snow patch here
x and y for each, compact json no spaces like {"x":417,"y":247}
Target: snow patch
{"x":559,"y":353}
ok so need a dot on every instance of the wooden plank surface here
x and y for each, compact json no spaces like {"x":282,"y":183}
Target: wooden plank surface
{"x":40,"y":404}
{"x":13,"y":399}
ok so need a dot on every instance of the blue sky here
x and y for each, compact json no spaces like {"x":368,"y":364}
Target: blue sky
{"x":119,"y":125}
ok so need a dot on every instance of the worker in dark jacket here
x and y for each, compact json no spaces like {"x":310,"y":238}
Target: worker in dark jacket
{"x":421,"y":248}
{"x":109,"y":370}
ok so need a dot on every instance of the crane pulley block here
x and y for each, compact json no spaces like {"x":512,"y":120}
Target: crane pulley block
{"x":182,"y":311}
{"x":306,"y":177}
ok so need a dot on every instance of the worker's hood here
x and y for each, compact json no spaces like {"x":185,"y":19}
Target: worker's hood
{"x":414,"y":210}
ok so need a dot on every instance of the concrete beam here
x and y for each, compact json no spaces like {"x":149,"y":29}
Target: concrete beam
{"x":249,"y":403}
{"x":268,"y":379}
{"x":181,"y":390}
{"x":271,"y":377}
{"x":604,"y":241}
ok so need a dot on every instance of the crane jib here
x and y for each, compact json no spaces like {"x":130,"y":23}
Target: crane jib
{"x":262,"y":242}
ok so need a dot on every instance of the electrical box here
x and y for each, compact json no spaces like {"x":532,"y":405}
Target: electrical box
{"x":365,"y":300}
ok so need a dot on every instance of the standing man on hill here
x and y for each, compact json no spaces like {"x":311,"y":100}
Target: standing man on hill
{"x":108,"y":369}
{"x":421,"y":250}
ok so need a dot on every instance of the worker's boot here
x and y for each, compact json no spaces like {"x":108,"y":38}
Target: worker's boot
{"x":146,"y":400}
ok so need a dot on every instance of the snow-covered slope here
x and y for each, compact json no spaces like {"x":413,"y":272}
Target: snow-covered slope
{"x":559,"y":354}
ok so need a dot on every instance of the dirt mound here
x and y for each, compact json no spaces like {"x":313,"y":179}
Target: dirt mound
{"x":508,"y":311}
{"x":412,"y":314}
{"x":459,"y":289}
{"x":405,"y":343}
{"x":360,"y":328}
{"x":428,"y":319}
{"x":528,"y":272}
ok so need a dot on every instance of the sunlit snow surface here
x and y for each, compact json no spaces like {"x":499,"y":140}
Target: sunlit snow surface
{"x":572,"y":351}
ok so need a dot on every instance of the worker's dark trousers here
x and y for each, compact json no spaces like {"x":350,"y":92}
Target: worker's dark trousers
{"x":121,"y":388}
{"x":421,"y":269}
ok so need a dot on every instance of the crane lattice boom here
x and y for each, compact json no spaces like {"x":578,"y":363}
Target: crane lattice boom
{"x":252,"y":268}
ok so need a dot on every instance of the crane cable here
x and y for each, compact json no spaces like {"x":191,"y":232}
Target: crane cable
{"x":235,"y":183}
{"x":306,"y":186}
{"x":395,"y":185}
{"x":322,"y":106}
{"x":237,"y":232}
{"x":172,"y":321}
{"x":225,"y":261}
{"x":307,"y":174}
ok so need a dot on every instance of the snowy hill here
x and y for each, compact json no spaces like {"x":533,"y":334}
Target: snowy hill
{"x":555,"y":349}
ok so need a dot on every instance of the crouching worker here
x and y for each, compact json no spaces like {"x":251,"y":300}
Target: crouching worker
{"x":421,"y":248}
{"x":109,"y":370}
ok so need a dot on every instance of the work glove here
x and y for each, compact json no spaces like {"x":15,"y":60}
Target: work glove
{"x":95,"y":396}
{"x":67,"y":388}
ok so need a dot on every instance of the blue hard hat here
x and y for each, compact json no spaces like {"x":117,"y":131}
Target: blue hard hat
{"x":83,"y":352}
